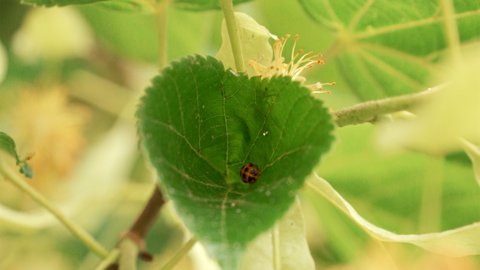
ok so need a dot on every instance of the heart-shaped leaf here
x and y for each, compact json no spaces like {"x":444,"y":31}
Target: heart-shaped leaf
{"x":388,"y":48}
{"x":201,"y":123}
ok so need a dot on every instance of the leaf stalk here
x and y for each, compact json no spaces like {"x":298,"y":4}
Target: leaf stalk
{"x":232,"y":28}
{"x":75,"y":229}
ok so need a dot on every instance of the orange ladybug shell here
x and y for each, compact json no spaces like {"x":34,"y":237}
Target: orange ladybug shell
{"x":250,"y":173}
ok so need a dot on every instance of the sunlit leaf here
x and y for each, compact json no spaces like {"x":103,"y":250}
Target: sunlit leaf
{"x":52,"y":3}
{"x":254,"y":41}
{"x":134,"y":5}
{"x":199,"y":5}
{"x":404,"y":191}
{"x":129,"y":5}
{"x":473,"y":153}
{"x":456,"y":104}
{"x":285,"y":244}
{"x":455,"y":242}
{"x":121,"y":32}
{"x":388,"y":48}
{"x":119,"y":5}
{"x":201,"y":123}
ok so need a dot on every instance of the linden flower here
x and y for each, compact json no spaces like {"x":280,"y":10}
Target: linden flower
{"x":299,"y":62}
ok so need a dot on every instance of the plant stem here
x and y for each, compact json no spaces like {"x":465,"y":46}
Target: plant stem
{"x":128,"y":254}
{"x":369,"y":111}
{"x":111,"y":258}
{"x":149,"y":214}
{"x":228,"y":13}
{"x":276,"y":247}
{"x":179,"y":255}
{"x":161,"y":14}
{"x":76,"y":230}
{"x":431,"y":203}
{"x":138,"y":231}
{"x":451,"y":30}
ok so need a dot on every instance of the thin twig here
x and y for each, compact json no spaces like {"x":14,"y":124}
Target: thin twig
{"x":451,"y":30}
{"x":369,"y":111}
{"x":111,"y":258}
{"x":180,"y":254}
{"x":145,"y":220}
{"x":161,"y":14}
{"x":76,"y":230}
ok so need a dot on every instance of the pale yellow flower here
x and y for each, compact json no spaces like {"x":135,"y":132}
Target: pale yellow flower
{"x":52,"y":34}
{"x":265,"y":61}
{"x":299,"y":62}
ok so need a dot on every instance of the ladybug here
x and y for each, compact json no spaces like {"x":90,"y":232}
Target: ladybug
{"x":250,"y":173}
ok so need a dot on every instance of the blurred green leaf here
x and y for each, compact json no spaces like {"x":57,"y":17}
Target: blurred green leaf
{"x":388,"y":48}
{"x":8,"y":145}
{"x":118,"y":5}
{"x":455,"y":242}
{"x":404,"y":192}
{"x":201,"y":123}
{"x":456,"y":104}
{"x":201,"y":5}
{"x":52,"y":3}
{"x":121,"y":32}
{"x":134,"y":5}
{"x":129,"y":5}
{"x":26,"y":170}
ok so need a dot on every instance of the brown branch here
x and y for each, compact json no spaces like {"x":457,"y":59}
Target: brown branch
{"x":149,"y":214}
{"x":138,"y":231}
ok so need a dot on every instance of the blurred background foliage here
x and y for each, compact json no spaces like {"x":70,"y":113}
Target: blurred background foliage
{"x":70,"y":84}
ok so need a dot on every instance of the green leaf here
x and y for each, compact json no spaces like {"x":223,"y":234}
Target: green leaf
{"x":26,"y":170}
{"x":456,"y":242}
{"x":121,"y":32}
{"x":200,"y":5}
{"x":456,"y":104}
{"x":8,"y":145}
{"x":118,"y":5}
{"x":129,"y":5}
{"x":388,"y":48}
{"x":201,"y":123}
{"x":52,"y":3}
{"x":134,"y":5}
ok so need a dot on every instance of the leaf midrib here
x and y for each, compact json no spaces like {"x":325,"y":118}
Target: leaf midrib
{"x":410,"y":24}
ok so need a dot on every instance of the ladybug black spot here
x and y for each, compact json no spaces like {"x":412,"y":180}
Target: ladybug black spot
{"x":250,"y":173}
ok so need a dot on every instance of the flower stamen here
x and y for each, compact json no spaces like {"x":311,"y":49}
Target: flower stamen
{"x":299,"y":62}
